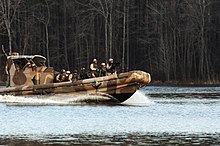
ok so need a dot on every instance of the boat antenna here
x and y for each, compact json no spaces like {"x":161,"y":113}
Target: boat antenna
{"x":4,"y":51}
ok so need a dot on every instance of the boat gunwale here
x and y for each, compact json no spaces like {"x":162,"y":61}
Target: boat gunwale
{"x":69,"y":83}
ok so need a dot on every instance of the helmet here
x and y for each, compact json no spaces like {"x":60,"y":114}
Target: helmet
{"x":68,"y":72}
{"x":110,"y":60}
{"x":102,"y":64}
{"x":63,"y":70}
{"x":29,"y":64}
{"x":94,"y":60}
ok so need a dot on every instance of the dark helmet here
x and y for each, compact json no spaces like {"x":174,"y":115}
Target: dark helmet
{"x":63,"y":70}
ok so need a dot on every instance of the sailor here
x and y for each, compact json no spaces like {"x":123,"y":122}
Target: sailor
{"x":83,"y":74}
{"x":75,"y":75}
{"x":35,"y":78}
{"x":69,"y":76}
{"x":17,"y":67}
{"x":103,"y":71}
{"x":7,"y":75}
{"x":61,"y":76}
{"x":111,"y":66}
{"x":28,"y":65}
{"x":34,"y":67}
{"x":94,"y":68}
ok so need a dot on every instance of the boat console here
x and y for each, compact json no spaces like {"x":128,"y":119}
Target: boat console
{"x":28,"y":70}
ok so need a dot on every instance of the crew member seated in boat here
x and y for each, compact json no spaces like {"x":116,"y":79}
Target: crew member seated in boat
{"x":103,"y":71}
{"x":35,"y":78}
{"x":61,"y":77}
{"x":34,"y":67}
{"x":94,"y":68}
{"x":17,"y":67}
{"x":111,"y":67}
{"x":7,"y":75}
{"x":75,"y":75}
{"x":69,"y":76}
{"x":83,"y":73}
{"x":31,"y":65}
{"x":28,"y":65}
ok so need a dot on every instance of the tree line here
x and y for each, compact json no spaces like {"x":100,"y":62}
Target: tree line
{"x":174,"y":40}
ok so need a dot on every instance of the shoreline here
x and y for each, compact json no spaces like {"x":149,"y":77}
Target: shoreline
{"x":183,"y":84}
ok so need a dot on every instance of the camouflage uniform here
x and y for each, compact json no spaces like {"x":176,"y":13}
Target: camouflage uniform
{"x":69,"y":76}
{"x":83,"y":74}
{"x":94,"y":68}
{"x":61,"y":77}
{"x":103,"y":70}
{"x":111,"y":67}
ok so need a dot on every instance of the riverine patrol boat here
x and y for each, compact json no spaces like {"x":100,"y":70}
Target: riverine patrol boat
{"x":28,"y":75}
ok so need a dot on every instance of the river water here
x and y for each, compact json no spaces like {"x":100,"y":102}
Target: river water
{"x":154,"y":116}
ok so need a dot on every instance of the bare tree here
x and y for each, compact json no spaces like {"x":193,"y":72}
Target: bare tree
{"x":199,"y":12}
{"x":124,"y":36}
{"x":8,"y":10}
{"x":45,"y":20}
{"x":105,"y":9}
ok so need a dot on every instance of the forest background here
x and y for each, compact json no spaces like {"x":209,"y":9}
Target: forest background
{"x":174,"y":40}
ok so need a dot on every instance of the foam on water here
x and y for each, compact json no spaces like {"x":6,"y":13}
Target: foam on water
{"x":51,"y":100}
{"x":19,"y":100}
{"x":139,"y":99}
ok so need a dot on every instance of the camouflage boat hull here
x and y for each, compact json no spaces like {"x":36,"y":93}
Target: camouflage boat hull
{"x":116,"y":87}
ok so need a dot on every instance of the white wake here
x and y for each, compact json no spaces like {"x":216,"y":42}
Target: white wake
{"x":51,"y":100}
